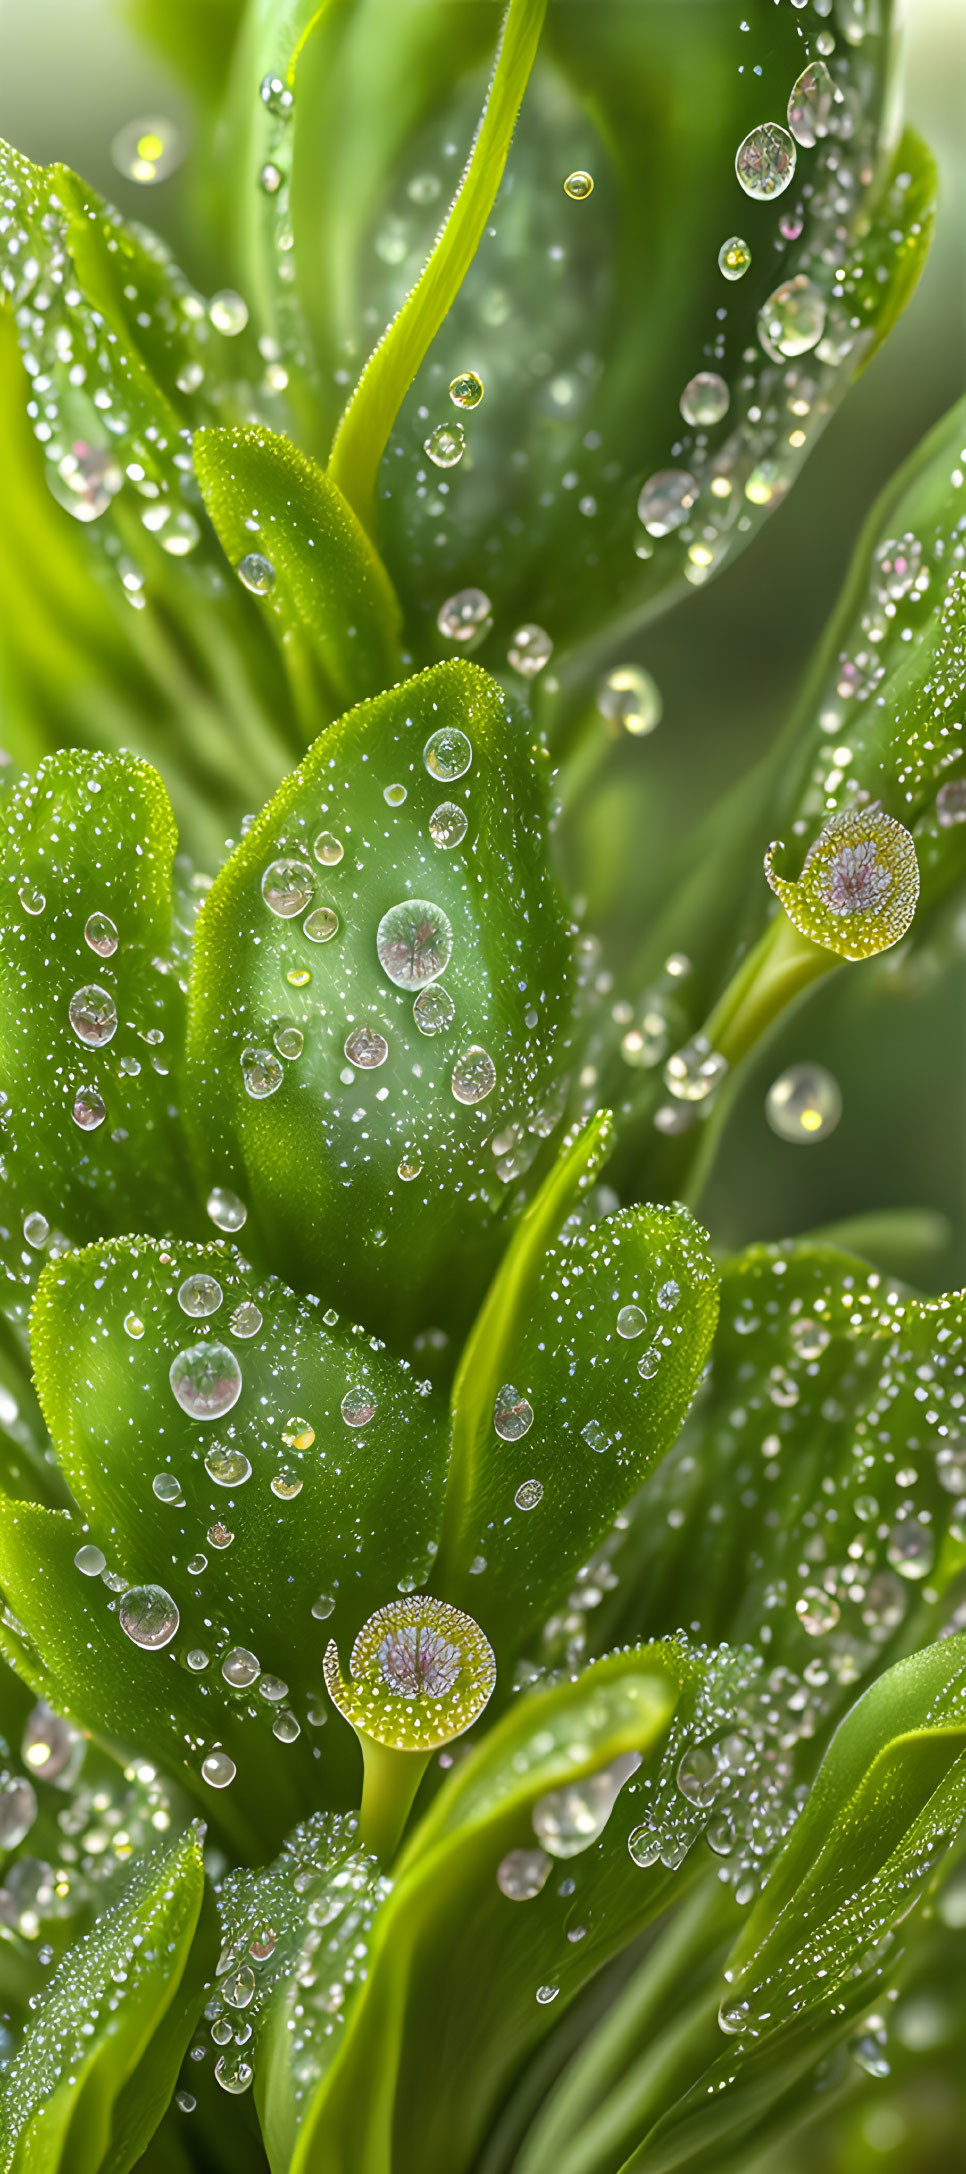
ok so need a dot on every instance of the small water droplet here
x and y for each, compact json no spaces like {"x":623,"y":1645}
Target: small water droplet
{"x":358,"y":1407}
{"x":447,"y":753}
{"x":705,"y":400}
{"x":166,"y":1487}
{"x":256,"y":573}
{"x":229,"y":314}
{"x":285,"y":1483}
{"x":765,"y":161}
{"x":240,"y":1668}
{"x":512,"y":1414}
{"x":446,"y":444}
{"x":147,"y":150}
{"x":414,"y":942}
{"x":579,"y":185}
{"x":262,"y":1073}
{"x":100,"y":935}
{"x":200,"y":1295}
{"x":36,"y":1230}
{"x":668,"y":1296}
{"x":666,"y":500}
{"x":93,"y":1015}
{"x":366,"y":1048}
{"x":693,"y":1073}
{"x":246,"y":1319}
{"x":528,"y":1496}
{"x":270,"y":178}
{"x":793,"y":319}
{"x":811,"y":104}
{"x":522,"y":1873}
{"x":323,"y":1607}
{"x":804,"y":1104}
{"x":206,"y":1380}
{"x":530,"y":651}
{"x":466,"y":390}
{"x":88,"y":1109}
{"x":817,"y":1612}
{"x":328,"y":849}
{"x":227,"y":1465}
{"x":148,"y":1616}
{"x":630,"y":700}
{"x":433,"y":1009}
{"x":134,"y":1325}
{"x":276,"y":94}
{"x":286,"y":1727}
{"x":321,"y":925}
{"x":631,"y":1321}
{"x":734,"y":257}
{"x":219,"y":1535}
{"x":951,"y":803}
{"x":225,"y":1210}
{"x":463,"y":618}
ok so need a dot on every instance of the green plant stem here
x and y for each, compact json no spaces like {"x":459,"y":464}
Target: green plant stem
{"x":782,"y":965}
{"x":390,"y":1781}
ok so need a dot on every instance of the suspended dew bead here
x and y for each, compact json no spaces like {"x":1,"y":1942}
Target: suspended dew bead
{"x":366,"y":1048}
{"x":911,"y":1548}
{"x":270,"y":178}
{"x":804,"y":1104}
{"x":433,"y":1009}
{"x":287,"y":887}
{"x":667,"y":500}
{"x":218,"y":1770}
{"x":734,"y":257}
{"x":36,"y":1230}
{"x":93,"y":1015}
{"x":321,"y":924}
{"x":474,"y":1075}
{"x":18,"y":1810}
{"x":705,"y":400}
{"x":630,"y":700}
{"x":859,"y":885}
{"x":328,"y":849}
{"x":446,"y":444}
{"x":148,"y":1616}
{"x":951,"y":803}
{"x":792,"y":320}
{"x":765,"y":161}
{"x":206,"y":1380}
{"x":228,"y":312}
{"x":276,"y":94}
{"x":448,"y":753}
{"x":522,"y":1873}
{"x":512,"y":1414}
{"x":579,"y":185}
{"x":466,"y":390}
{"x":528,"y":1496}
{"x":414,"y":942}
{"x":530,"y":651}
{"x":88,"y":1109}
{"x":262,"y":1074}
{"x":631,"y":1321}
{"x":100,"y":935}
{"x":90,"y":1560}
{"x":200,"y":1295}
{"x":227,"y":1465}
{"x":464,"y":616}
{"x":240,"y":1668}
{"x":256,"y":572}
{"x":358,"y":1407}
{"x":950,"y":1467}
{"x":811,"y":104}
{"x":447,"y":825}
{"x":421,"y":1673}
{"x":225,"y":1210}
{"x":147,"y":151}
{"x":246,"y":1319}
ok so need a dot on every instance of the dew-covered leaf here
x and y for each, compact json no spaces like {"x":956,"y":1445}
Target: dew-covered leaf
{"x":98,"y":2063}
{"x":596,"y":1374}
{"x":293,"y":538}
{"x":257,"y":1478}
{"x":380,"y":1001}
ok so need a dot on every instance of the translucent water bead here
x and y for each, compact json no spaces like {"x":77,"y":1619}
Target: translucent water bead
{"x":465,"y":616}
{"x":765,"y":161}
{"x":804,"y":1104}
{"x":734,"y":257}
{"x":666,"y":500}
{"x":466,"y":390}
{"x":630,"y":700}
{"x":811,"y":104}
{"x":147,"y":151}
{"x":705,"y":400}
{"x":792,"y":320}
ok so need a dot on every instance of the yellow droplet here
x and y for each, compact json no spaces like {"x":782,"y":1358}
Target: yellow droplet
{"x":298,"y":977}
{"x":579,"y":185}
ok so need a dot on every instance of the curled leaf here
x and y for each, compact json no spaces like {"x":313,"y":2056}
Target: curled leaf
{"x":859,"y":884}
{"x":421,"y":1673}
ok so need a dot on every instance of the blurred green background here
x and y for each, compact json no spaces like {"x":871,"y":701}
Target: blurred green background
{"x":728,"y":660}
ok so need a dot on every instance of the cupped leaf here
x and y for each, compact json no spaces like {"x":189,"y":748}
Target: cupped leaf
{"x":280,"y":517}
{"x":273,"y":1477}
{"x":596,"y":1374}
{"x":99,"y":2061}
{"x":380,"y":1002}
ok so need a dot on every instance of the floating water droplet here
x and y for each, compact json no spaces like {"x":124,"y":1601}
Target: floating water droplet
{"x":734,"y":257}
{"x":218,"y":1769}
{"x":466,"y":390}
{"x":817,"y":1612}
{"x":512,"y":1414}
{"x":240,"y":1668}
{"x":200,"y":1295}
{"x":705,"y":400}
{"x":433,"y":1009}
{"x":414,"y":942}
{"x":951,"y":803}
{"x":100,"y":935}
{"x":18,"y":1810}
{"x":693,"y":1073}
{"x":358,"y":1406}
{"x":809,"y":1337}
{"x":287,"y":887}
{"x":227,"y":1465}
{"x":463,"y":618}
{"x":148,"y":1616}
{"x":530,"y":651}
{"x":366,"y":1048}
{"x":811,"y":104}
{"x":911,"y":1548}
{"x":328,"y":849}
{"x":579,"y":185}
{"x":48,"y":1743}
{"x":631,"y":1321}
{"x":447,"y":825}
{"x":446,"y":444}
{"x":528,"y":1496}
{"x":804,"y":1104}
{"x":793,"y":319}
{"x":88,"y":1109}
{"x":765,"y":161}
{"x":225,"y":1210}
{"x":667,"y":500}
{"x":166,"y":1487}
{"x":522,"y":1873}
{"x":206,"y":1380}
{"x":229,"y":314}
{"x":90,"y":1560}
{"x":474,"y":1075}
{"x":147,"y":151}
{"x":36,"y":1230}
{"x":276,"y":94}
{"x":134,"y":1325}
{"x":93,"y":1015}
{"x":630,"y":700}
{"x":255,"y":572}
{"x":262,"y":1073}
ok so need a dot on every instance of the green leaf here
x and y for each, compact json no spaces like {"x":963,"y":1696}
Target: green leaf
{"x":278,"y":1517}
{"x":195,"y":41}
{"x":362,"y":1176}
{"x":99,"y":2061}
{"x":330,"y":593}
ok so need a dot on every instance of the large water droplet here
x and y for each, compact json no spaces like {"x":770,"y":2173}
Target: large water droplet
{"x":206,"y":1380}
{"x":200,"y":1295}
{"x":240,"y":1668}
{"x":765,"y":161}
{"x":464,"y":617}
{"x":90,"y":1560}
{"x":148,"y":1616}
{"x":474,"y":1075}
{"x":529,"y":1495}
{"x":579,"y":185}
{"x":447,"y":825}
{"x":414,"y":942}
{"x":804,"y":1104}
{"x":218,"y":1769}
{"x":256,"y":573}
{"x":366,"y":1048}
{"x":522,"y":1873}
{"x":447,"y":753}
{"x":446,"y":444}
{"x":811,"y":104}
{"x":631,"y":1321}
{"x":262,"y":1073}
{"x":229,"y":314}
{"x":246,"y":1319}
{"x":530,"y":650}
{"x":227,"y":1465}
{"x":667,"y":500}
{"x":287,"y":887}
{"x":705,"y":399}
{"x":512,"y":1414}
{"x":793,"y":319}
{"x":93,"y":1015}
{"x":328,"y":849}
{"x":321,"y":924}
{"x":358,"y":1406}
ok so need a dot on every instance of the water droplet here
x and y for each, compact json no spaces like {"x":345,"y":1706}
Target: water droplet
{"x":447,"y":753}
{"x":328,"y":849}
{"x":287,"y":887}
{"x":567,"y":1821}
{"x":88,"y":1109}
{"x":134,"y":1324}
{"x":804,"y":1104}
{"x":200,"y":1295}
{"x":218,"y":1769}
{"x":951,"y":1467}
{"x":811,"y":104}
{"x":48,"y":1743}
{"x":206,"y":1380}
{"x":447,"y":825}
{"x":227,"y":1465}
{"x":699,"y":1776}
{"x":817,"y":1612}
{"x":229,"y":314}
{"x":101,"y":935}
{"x":528,"y":1496}
{"x":32,"y":900}
{"x":433,"y":1009}
{"x":648,"y":1363}
{"x":667,"y":500}
{"x":240,"y":1668}
{"x":262,"y":1073}
{"x":225,"y":1210}
{"x":911,"y":1548}
{"x":36,"y":1230}
{"x":285,"y":1483}
{"x":522,"y":1873}
{"x":951,"y":803}
{"x":246,"y":1319}
{"x":446,"y":444}
{"x":321,"y":925}
{"x":166,"y":1487}
{"x":323,"y":1607}
{"x":530,"y":651}
{"x":275,"y":93}
{"x":631,"y":1321}
{"x":693,"y":1073}
{"x":93,"y":1015}
{"x":270,"y":178}
{"x":512,"y":1414}
{"x":668,"y":1296}
{"x":18,"y":1810}
{"x":286,"y":1728}
{"x":705,"y":399}
{"x":463,"y":618}
{"x":734,"y":257}
{"x":732,"y":2016}
{"x":90,"y":1560}
{"x":474,"y":1075}
{"x":547,"y":1993}
{"x":366,"y":1048}
{"x":147,"y":151}
{"x":408,"y":1169}
{"x":219,"y":1535}
{"x":630,"y":700}
{"x":579,"y":185}
{"x":809,"y":1337}
{"x":256,"y":573}
{"x":358,"y":1406}
{"x":466,"y":390}
{"x":414,"y":942}
{"x":793,"y":319}
{"x":595,"y":1438}
{"x":394,"y":795}
{"x":148,"y":1616}
{"x":765,"y":161}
